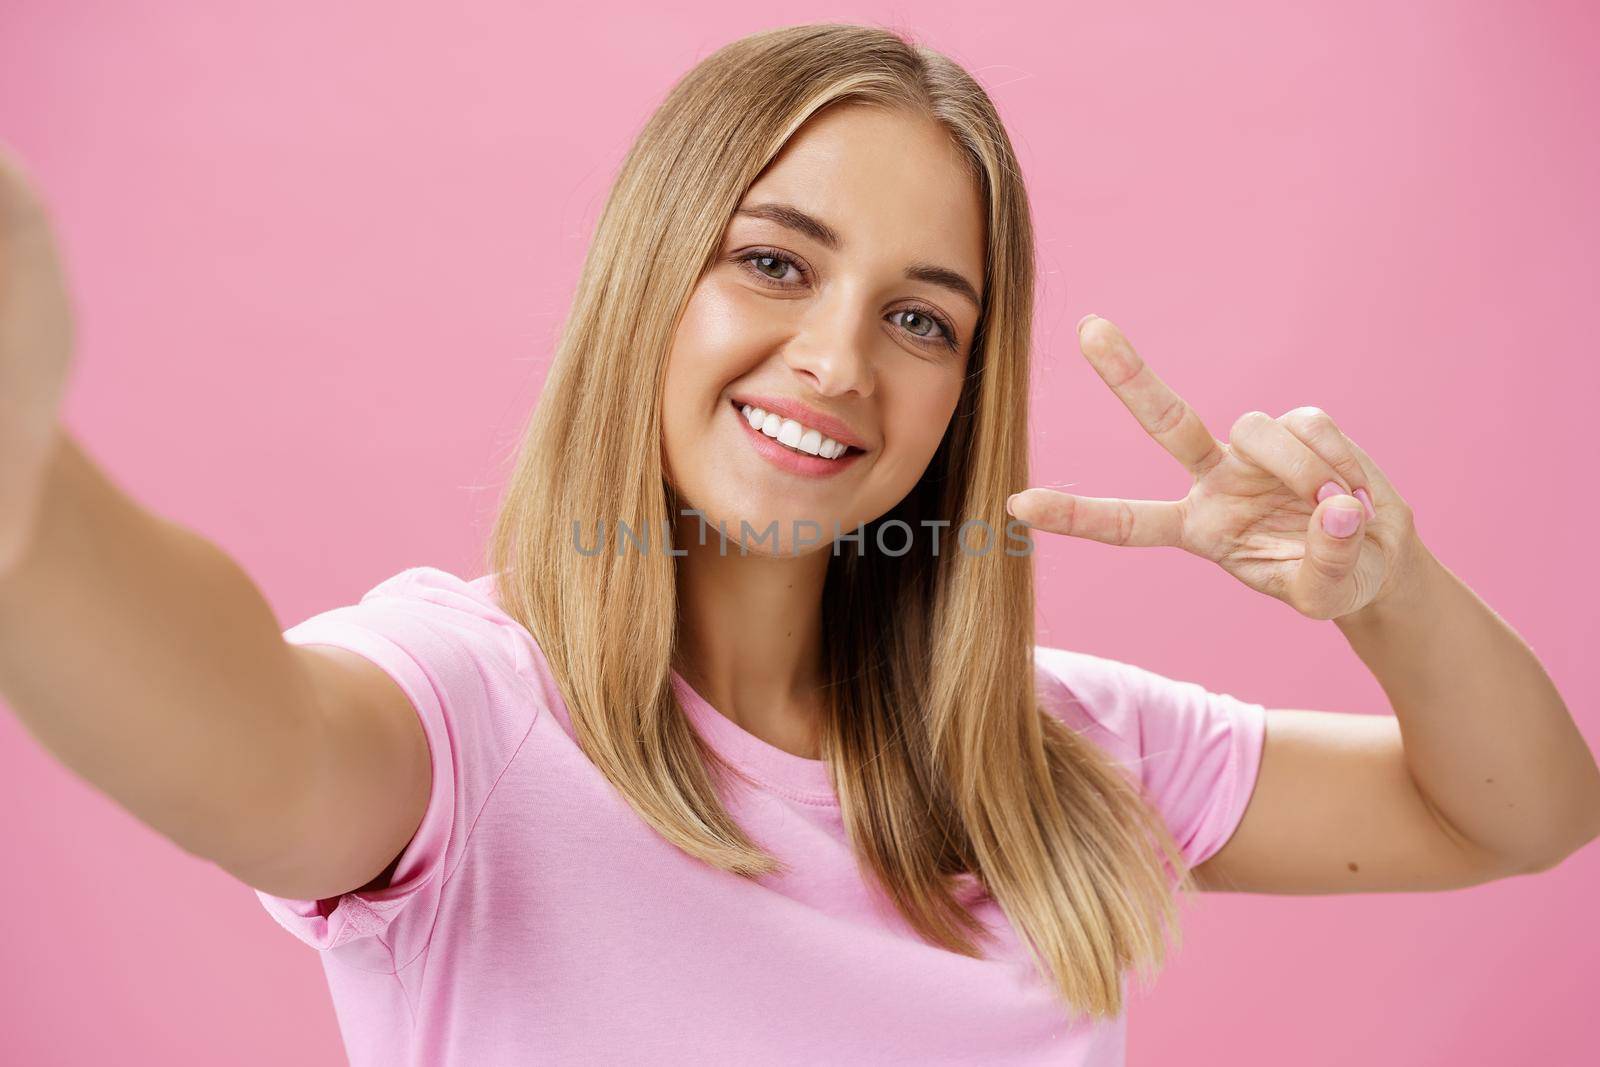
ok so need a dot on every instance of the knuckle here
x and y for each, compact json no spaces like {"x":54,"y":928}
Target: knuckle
{"x":1125,"y":523}
{"x":1170,"y":416}
{"x":1244,"y":423}
{"x":1309,"y":420}
{"x":1304,"y":411}
{"x":1329,"y":573}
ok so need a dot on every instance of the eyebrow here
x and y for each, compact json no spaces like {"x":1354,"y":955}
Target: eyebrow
{"x":789,"y":216}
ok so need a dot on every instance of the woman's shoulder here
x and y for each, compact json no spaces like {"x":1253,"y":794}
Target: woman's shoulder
{"x":467,"y":610}
{"x":435,"y":585}
{"x":1091,"y":694}
{"x":1179,"y":731}
{"x":451,"y":629}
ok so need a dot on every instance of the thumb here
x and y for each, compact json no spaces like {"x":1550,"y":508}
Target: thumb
{"x":1333,"y":547}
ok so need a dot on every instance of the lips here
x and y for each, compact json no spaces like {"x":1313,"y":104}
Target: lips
{"x":791,"y":434}
{"x":809,"y":417}
{"x":789,"y":460}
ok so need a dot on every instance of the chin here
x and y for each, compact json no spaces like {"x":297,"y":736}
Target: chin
{"x":775,"y":531}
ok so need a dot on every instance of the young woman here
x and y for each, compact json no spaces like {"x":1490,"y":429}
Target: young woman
{"x":741,"y":747}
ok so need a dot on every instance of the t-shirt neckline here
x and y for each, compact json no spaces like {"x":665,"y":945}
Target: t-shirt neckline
{"x":784,"y":772}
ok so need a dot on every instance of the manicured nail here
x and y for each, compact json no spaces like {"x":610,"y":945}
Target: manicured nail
{"x":1009,"y":510}
{"x":1329,"y":489}
{"x":1366,"y":502}
{"x":1341,"y":522}
{"x":1085,"y":319}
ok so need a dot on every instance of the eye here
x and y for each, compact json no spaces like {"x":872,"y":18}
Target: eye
{"x":761,"y":260}
{"x":926,"y":315}
{"x":770,"y":265}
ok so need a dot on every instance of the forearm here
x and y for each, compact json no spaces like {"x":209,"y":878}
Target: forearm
{"x":1488,"y":739}
{"x":147,"y":661}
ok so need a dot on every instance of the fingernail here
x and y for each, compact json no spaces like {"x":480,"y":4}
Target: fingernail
{"x":1329,"y":489}
{"x":1085,"y":319}
{"x":1341,"y":522}
{"x":1366,"y":502}
{"x":1009,"y":511}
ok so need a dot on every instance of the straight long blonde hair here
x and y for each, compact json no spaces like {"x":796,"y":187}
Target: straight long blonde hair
{"x":944,"y":761}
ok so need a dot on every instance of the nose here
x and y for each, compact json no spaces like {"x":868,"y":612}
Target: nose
{"x":832,"y":352}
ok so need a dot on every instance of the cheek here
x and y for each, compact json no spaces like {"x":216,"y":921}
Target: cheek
{"x":693,"y":359}
{"x":917,"y":421}
{"x":717,"y":332}
{"x":931,"y":408}
{"x":709,"y":350}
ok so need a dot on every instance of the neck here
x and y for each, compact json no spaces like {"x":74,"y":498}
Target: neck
{"x":750,"y":636}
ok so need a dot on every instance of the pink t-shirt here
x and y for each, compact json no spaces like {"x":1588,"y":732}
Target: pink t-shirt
{"x":535,"y":918}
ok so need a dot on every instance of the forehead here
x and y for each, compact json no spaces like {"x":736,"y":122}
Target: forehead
{"x":890,"y":182}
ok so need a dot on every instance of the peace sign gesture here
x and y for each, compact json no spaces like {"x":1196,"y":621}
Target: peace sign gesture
{"x":1290,"y":506}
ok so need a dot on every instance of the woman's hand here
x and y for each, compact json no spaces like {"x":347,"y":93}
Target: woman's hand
{"x":36,"y":340}
{"x":1261,"y":506}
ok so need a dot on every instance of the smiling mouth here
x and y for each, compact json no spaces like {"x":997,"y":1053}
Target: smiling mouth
{"x":793,"y":435}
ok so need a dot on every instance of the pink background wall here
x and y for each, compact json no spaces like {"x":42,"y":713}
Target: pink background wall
{"x":320,"y":253}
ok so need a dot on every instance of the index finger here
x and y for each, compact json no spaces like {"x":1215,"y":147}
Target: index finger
{"x":1161,"y":412}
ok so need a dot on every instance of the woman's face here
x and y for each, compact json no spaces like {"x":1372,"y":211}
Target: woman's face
{"x":839,"y":298}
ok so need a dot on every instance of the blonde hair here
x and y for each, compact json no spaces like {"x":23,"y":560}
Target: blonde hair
{"x":944,"y":761}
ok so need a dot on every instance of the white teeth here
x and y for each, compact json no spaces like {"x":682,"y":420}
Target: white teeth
{"x":793,"y":434}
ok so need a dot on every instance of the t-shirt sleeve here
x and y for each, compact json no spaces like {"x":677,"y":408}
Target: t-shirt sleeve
{"x":1196,"y":752}
{"x":454,"y":653}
